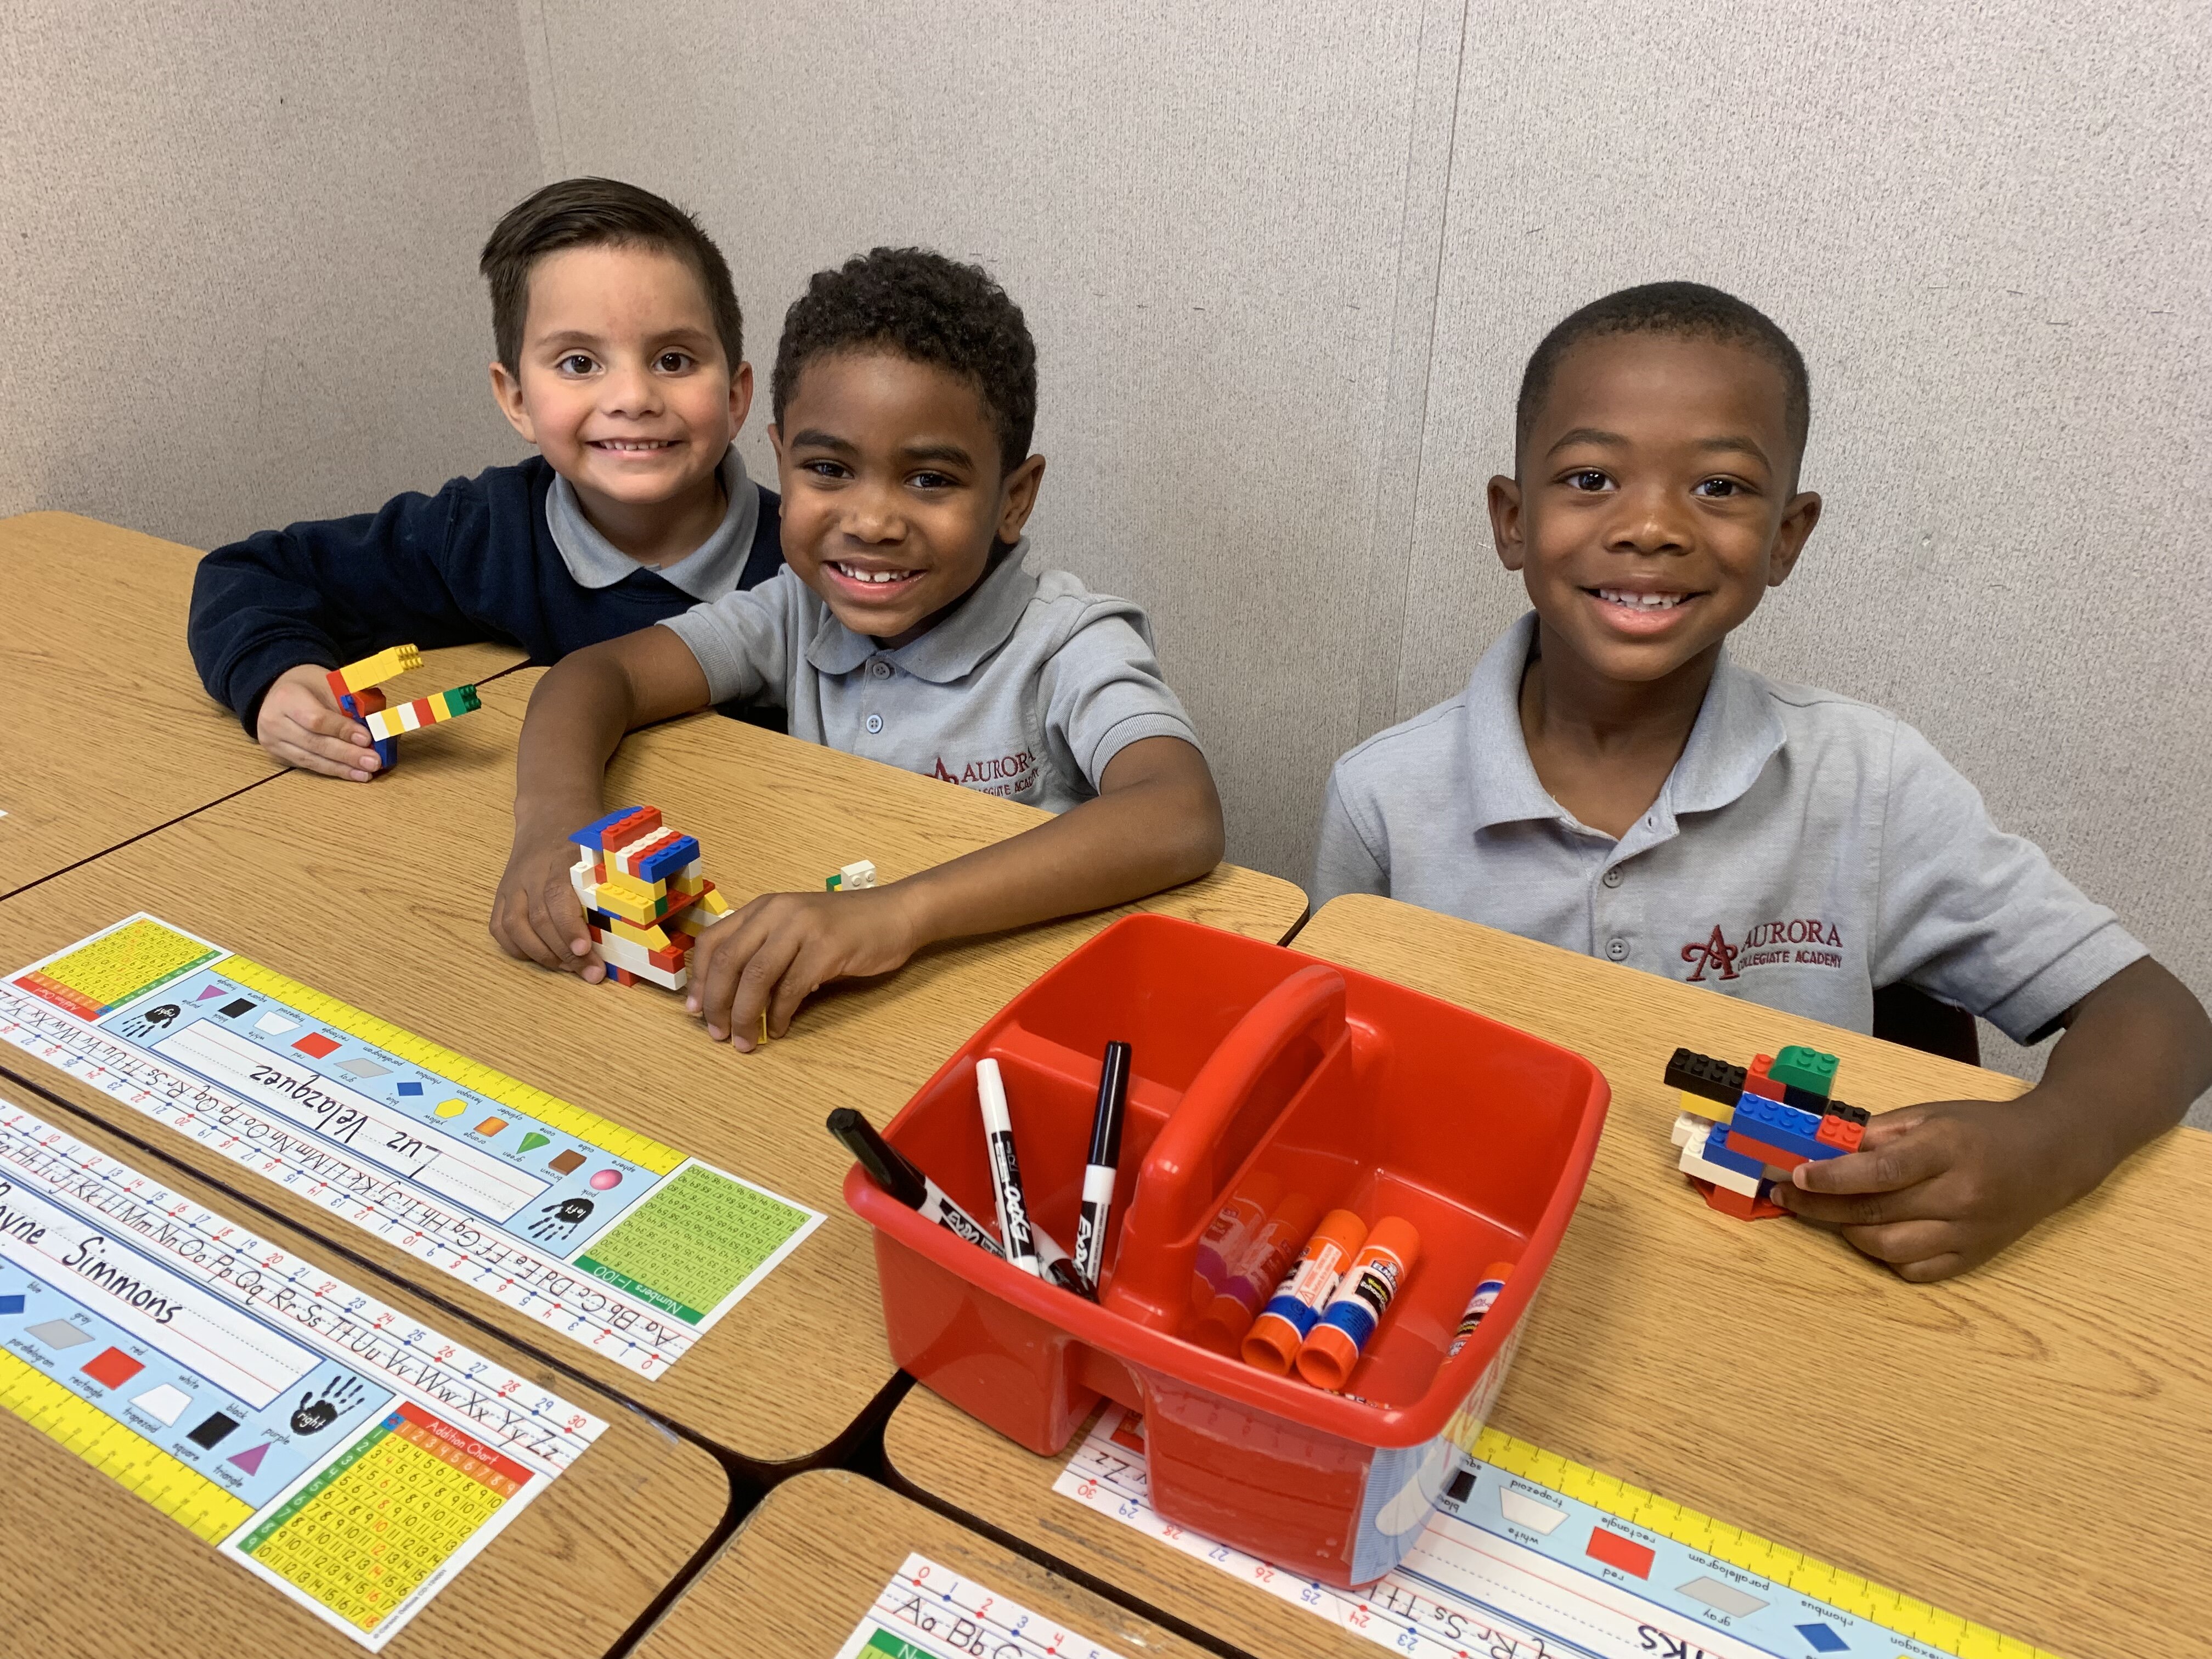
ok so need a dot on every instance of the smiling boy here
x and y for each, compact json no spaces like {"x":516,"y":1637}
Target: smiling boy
{"x":904,"y":627}
{"x":1611,"y":782}
{"x":620,"y":356}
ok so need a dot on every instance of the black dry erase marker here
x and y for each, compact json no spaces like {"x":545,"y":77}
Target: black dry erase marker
{"x":897,"y":1176}
{"x":1105,"y":1162}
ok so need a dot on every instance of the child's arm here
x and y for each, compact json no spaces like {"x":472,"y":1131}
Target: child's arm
{"x":1156,"y":822}
{"x":270,"y":614}
{"x":1936,"y":1189}
{"x":578,"y":716}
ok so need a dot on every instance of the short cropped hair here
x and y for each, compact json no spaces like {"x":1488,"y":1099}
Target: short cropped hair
{"x":929,"y":308}
{"x":600,"y":213}
{"x":1686,"y":310}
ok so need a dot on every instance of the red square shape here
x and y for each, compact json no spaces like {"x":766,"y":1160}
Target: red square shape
{"x":317,"y":1044}
{"x":113,"y":1368}
{"x":1624,"y":1554}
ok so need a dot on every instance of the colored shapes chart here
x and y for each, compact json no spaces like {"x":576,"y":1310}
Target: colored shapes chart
{"x":213,"y":1432}
{"x":249,"y":1458}
{"x":11,"y":1305}
{"x":316,"y":1045}
{"x":1722,"y":1598}
{"x":165,"y":1403}
{"x":111,"y":1369}
{"x":1522,"y":1509}
{"x":58,"y":1333}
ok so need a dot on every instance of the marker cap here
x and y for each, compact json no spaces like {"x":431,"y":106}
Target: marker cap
{"x":1272,"y":1343}
{"x":1332,"y":1346}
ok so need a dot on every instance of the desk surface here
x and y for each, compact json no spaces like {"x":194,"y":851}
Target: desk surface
{"x":93,"y":661}
{"x":2012,"y":1446}
{"x":94,"y":1571}
{"x":399,"y":929}
{"x":810,"y":1562}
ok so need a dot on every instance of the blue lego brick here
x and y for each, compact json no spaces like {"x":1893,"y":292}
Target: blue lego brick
{"x":1784,"y":1138}
{"x":387,"y":754}
{"x":1715,"y":1150}
{"x":1756,"y":1112}
{"x":589,"y":835}
{"x":668,"y":861}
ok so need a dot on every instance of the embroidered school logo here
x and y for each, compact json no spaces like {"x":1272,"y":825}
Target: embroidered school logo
{"x":1807,"y":941}
{"x":997,"y":775}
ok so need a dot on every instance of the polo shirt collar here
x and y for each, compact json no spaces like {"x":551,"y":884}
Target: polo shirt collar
{"x":1736,"y":732}
{"x":707,"y":572}
{"x":982,"y":621}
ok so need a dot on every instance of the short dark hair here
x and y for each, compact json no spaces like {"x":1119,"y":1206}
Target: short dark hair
{"x":924,"y":306}
{"x":1690,"y":310}
{"x":599,"y":213}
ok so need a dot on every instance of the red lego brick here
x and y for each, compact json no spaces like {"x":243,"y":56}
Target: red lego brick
{"x":623,"y":831}
{"x":338,"y":685}
{"x":1841,"y":1131}
{"x":667,"y":961}
{"x":1774,"y":1155}
{"x":1735,"y":1204}
{"x":1756,"y":1080}
{"x":621,"y":976}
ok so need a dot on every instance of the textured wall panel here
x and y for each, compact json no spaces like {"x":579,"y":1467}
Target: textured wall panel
{"x":1986,"y":228}
{"x":239,"y":247}
{"x":1200,"y":207}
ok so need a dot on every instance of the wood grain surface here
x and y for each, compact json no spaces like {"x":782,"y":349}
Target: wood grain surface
{"x":2029,"y":1446}
{"x":809,"y":1562}
{"x":88,"y":1570}
{"x":379,"y":894}
{"x":107,"y":732}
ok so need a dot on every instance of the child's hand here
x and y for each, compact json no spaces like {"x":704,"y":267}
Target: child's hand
{"x":776,"y":951}
{"x":302,"y":725}
{"x":535,"y":914}
{"x":1935,"y":1189}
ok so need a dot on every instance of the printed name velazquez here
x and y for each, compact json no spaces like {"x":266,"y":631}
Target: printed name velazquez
{"x":1808,"y":941}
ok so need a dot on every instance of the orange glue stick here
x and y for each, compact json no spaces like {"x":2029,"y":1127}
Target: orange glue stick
{"x":1332,"y":1346}
{"x":1272,"y":1342}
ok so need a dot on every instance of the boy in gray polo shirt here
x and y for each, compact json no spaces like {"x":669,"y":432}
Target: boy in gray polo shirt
{"x":1610,"y":782}
{"x":905,"y":628}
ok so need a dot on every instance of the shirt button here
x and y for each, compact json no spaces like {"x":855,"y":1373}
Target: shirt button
{"x":1614,"y":876}
{"x":1616,"y":949}
{"x":875,"y":723}
{"x":881,"y":670}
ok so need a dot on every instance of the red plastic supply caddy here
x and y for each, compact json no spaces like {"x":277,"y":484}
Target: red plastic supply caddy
{"x":1257,"y":1071}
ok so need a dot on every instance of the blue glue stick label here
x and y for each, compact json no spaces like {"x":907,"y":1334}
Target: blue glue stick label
{"x":1358,"y":1308}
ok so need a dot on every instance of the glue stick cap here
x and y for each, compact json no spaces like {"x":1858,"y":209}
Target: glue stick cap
{"x":1271,"y":1342}
{"x":1332,"y":1346}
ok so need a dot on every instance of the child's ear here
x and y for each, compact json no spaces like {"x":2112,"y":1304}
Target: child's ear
{"x":1018,"y":497}
{"x":507,"y":393}
{"x":1505,"y":522}
{"x":741,"y":395}
{"x":1799,"y":514}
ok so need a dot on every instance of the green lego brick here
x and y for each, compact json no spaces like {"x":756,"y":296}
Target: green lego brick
{"x":1809,"y":1069}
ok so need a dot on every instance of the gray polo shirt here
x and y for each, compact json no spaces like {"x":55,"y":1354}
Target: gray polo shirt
{"x":707,"y":572}
{"x":1027,"y":689}
{"x":1805,"y":849}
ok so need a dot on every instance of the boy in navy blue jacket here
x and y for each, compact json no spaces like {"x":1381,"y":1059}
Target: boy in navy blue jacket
{"x":620,"y":356}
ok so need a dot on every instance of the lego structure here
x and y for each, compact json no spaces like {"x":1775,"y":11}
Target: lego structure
{"x":861,"y":872}
{"x":643,"y":896}
{"x":356,"y":688}
{"x":1776,"y":1115}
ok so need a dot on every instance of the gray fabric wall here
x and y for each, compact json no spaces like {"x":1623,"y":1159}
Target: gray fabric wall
{"x":1284,"y":265}
{"x":238,"y":252}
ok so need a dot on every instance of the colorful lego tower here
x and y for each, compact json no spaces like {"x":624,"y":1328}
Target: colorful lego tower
{"x":355,"y":687}
{"x":643,"y":896}
{"x":1773,"y":1117}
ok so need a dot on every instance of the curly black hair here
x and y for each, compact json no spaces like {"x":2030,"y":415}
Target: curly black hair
{"x":927,"y":308}
{"x":1691,"y":310}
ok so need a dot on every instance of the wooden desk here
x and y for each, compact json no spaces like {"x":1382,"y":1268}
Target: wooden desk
{"x":108,"y":732}
{"x":398,"y":929}
{"x":810,"y":1562}
{"x":94,"y":1571}
{"x":2028,"y":1447}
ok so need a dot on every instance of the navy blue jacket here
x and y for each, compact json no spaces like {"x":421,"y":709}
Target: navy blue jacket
{"x":475,"y":562}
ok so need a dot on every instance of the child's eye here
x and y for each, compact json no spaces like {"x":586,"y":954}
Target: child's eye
{"x":931,"y":481}
{"x":824,"y":469}
{"x":1716,"y":487}
{"x":1586,"y":477}
{"x":672,"y":362}
{"x":576,"y":363}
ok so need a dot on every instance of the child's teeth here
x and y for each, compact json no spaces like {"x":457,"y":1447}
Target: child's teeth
{"x":1640,"y":601}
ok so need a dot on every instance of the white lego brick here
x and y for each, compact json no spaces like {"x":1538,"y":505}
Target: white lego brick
{"x":580,"y":877}
{"x":1733,"y":1181}
{"x":632,"y":958}
{"x":1691,"y":1130}
{"x":860,"y":874}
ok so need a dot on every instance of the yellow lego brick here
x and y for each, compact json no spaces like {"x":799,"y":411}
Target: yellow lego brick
{"x":633,"y":887}
{"x":637,"y":913}
{"x":1711,"y":1109}
{"x":653,"y":939}
{"x":384,"y":666}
